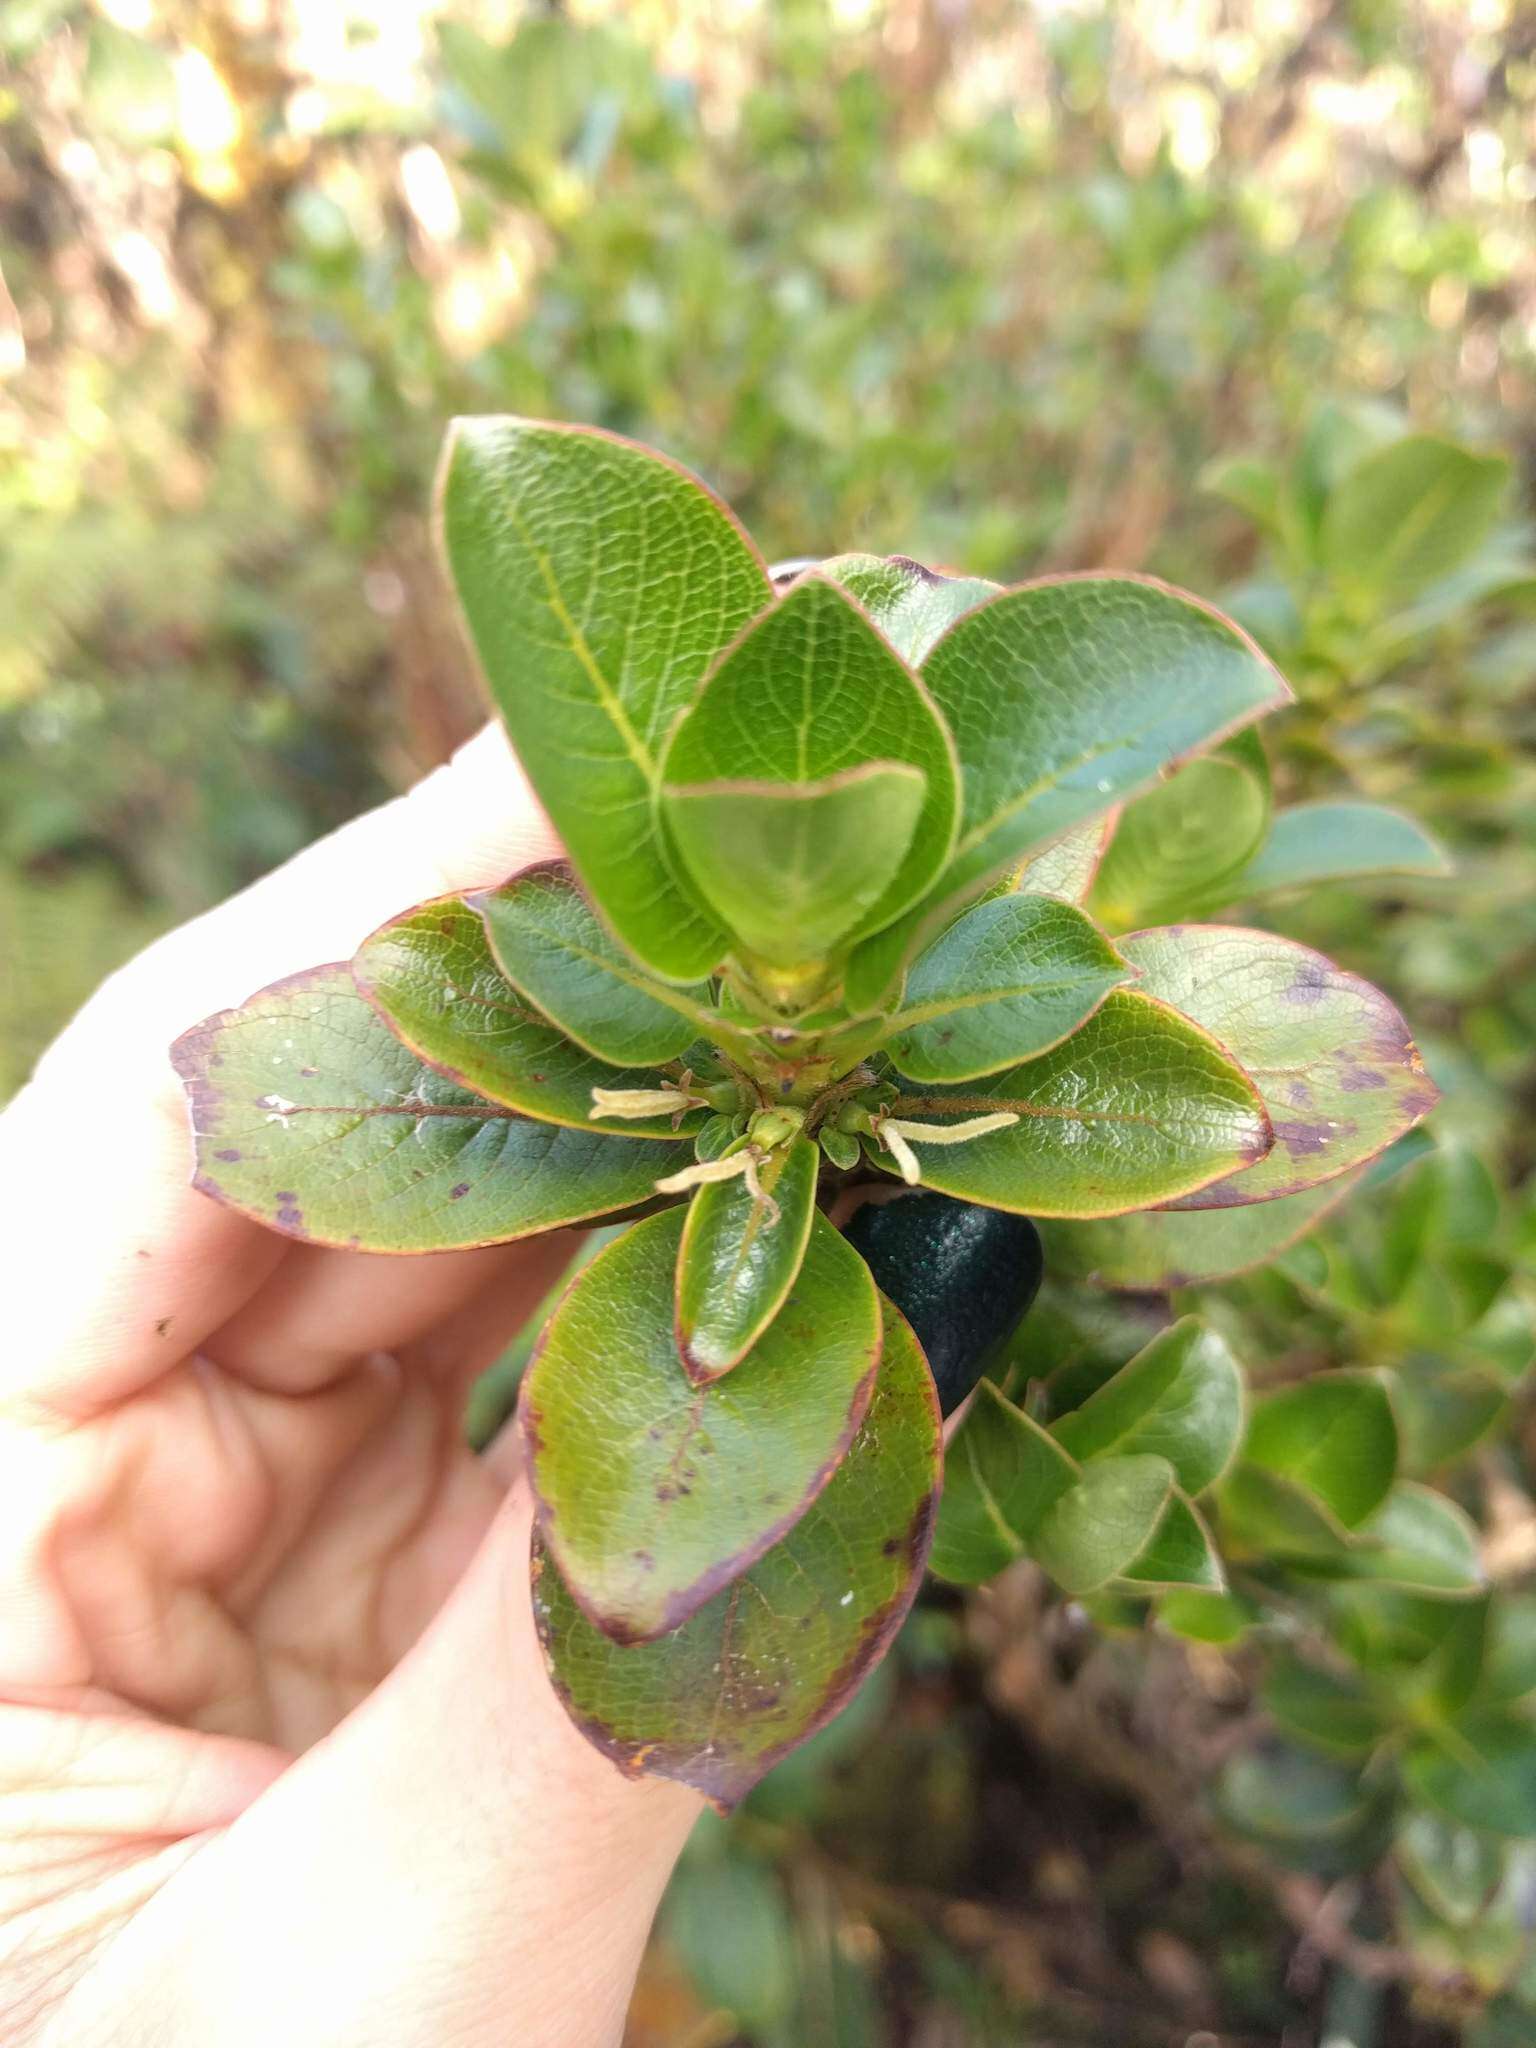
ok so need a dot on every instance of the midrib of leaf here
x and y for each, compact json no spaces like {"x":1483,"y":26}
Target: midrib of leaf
{"x":1052,"y":780}
{"x":925,"y":1013}
{"x":480,"y":1111}
{"x":995,"y":1514}
{"x":611,"y":702}
{"x":934,"y":1105}
{"x":1313,"y":1456}
{"x":1412,"y":528}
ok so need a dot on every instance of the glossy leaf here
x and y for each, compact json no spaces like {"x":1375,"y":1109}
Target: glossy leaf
{"x":547,"y":939}
{"x":739,"y":1257}
{"x":1332,"y":1058}
{"x":1334,"y":1435}
{"x":779,"y":1652}
{"x":1419,"y":1540}
{"x":1178,"y":843}
{"x":810,"y":691}
{"x":1323,"y":1708}
{"x":911,"y":605}
{"x":1136,"y":1107}
{"x":1282,"y":1795}
{"x":1180,"y":1399}
{"x":1007,"y":981}
{"x":1265,"y":1515}
{"x":1411,"y":512}
{"x":1510,"y":1673}
{"x":1065,"y":697}
{"x":1454,"y":1869}
{"x":313,"y":1117}
{"x":1068,"y":865}
{"x":1179,"y":1553}
{"x":598,"y":582}
{"x":1217,"y":1618}
{"x":1002,"y":1471}
{"x":1326,"y":842}
{"x":1160,"y":1249}
{"x":1102,"y":1524}
{"x":1481,"y":1773}
{"x":655,"y":1492}
{"x":790,"y":869}
{"x":431,"y":976}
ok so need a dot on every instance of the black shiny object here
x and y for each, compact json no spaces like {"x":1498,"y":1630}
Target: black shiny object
{"x":963,"y":1276}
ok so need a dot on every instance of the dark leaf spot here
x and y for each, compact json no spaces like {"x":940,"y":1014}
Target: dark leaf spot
{"x":1312,"y":979}
{"x":231,"y":1155}
{"x":1353,"y":1080}
{"x":457,"y":1194}
{"x":1302,"y":1141}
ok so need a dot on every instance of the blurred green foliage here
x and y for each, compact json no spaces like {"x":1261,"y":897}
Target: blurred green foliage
{"x":1009,"y":287}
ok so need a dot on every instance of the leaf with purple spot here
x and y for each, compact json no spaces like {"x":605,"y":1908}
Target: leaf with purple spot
{"x":1331,"y":1056}
{"x":654,"y":1491}
{"x":310,"y":1115}
{"x":774,"y":1655}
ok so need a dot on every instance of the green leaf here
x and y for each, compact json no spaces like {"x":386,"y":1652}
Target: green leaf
{"x":1454,"y":1869}
{"x":1001,"y":1472}
{"x":717,"y":1135}
{"x":598,"y":582}
{"x":1156,"y":1250}
{"x":1068,"y":865}
{"x":790,"y":869}
{"x":779,"y":1652}
{"x":1279,"y":1794}
{"x":547,"y":940}
{"x":1180,"y":1399}
{"x":739,"y":1257}
{"x":1180,"y":1553}
{"x":1064,"y":697}
{"x":1329,"y":842}
{"x":1332,"y":1058}
{"x":1411,"y":512}
{"x":311,"y":1116}
{"x":1101,"y":1525}
{"x":728,"y":1920}
{"x":1010,"y":979}
{"x":1217,"y":1618}
{"x":1510,"y":1674}
{"x":1419,"y":1540}
{"x":1335,"y":1436}
{"x":1252,"y":485}
{"x":654,"y":1492}
{"x":1264,"y":1516}
{"x":1319,"y":1707}
{"x":1177,"y":844}
{"x":911,"y":605}
{"x":431,"y":977}
{"x":842,"y":1149}
{"x":808,"y":692}
{"x":1136,"y":1107}
{"x":1482,"y":1772}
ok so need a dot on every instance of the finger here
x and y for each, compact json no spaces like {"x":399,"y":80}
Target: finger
{"x":454,"y":1863}
{"x":94,"y":1155}
{"x":328,"y":1309}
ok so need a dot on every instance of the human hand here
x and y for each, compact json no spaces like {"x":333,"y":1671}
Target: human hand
{"x":278,"y":1758}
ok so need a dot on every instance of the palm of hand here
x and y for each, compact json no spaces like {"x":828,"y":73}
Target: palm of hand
{"x":268,"y":1676}
{"x":251,"y":1542}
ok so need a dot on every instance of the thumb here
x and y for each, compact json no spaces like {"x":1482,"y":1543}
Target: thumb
{"x":453,"y":1864}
